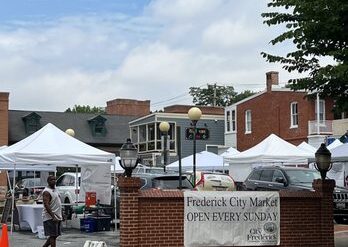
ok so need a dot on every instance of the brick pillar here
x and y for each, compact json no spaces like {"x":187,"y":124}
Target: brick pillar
{"x":325,"y":188}
{"x":129,"y":217}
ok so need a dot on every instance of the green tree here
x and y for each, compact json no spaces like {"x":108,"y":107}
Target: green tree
{"x":217,"y":95}
{"x":318,"y":29}
{"x":86,"y":109}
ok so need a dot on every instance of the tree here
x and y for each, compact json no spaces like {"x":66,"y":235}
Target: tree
{"x":217,"y":95}
{"x":319,"y":30}
{"x":86,"y":109}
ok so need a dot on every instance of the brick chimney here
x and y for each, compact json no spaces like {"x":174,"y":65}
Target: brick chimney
{"x":128,"y":107}
{"x":4,"y":96}
{"x":4,"y":118}
{"x":272,"y":78}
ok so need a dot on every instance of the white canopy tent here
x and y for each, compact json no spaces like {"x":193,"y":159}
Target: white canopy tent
{"x":50,"y":146}
{"x":336,"y":143}
{"x":307,"y":148}
{"x":230,"y":151}
{"x":205,"y":161}
{"x":271,"y":151}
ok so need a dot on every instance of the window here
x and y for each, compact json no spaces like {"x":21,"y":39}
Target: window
{"x":266,"y":175}
{"x":294,"y":115}
{"x":277,"y":175}
{"x":150,"y":137}
{"x":248,"y":121}
{"x":233,"y":115}
{"x":97,"y":125}
{"x":321,"y":110}
{"x":228,"y":121}
{"x":32,"y":123}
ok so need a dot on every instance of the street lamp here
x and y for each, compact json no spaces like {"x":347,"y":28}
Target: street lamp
{"x":70,"y":132}
{"x":129,"y":157}
{"x":323,"y":160}
{"x":194,"y":115}
{"x":164,"y":127}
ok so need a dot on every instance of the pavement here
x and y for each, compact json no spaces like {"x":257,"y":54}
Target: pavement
{"x":69,"y":238}
{"x":76,"y":238}
{"x":341,"y":235}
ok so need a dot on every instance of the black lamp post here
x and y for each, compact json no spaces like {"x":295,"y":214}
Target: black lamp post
{"x":323,"y":160}
{"x":129,"y":157}
{"x":164,"y":127}
{"x":194,"y":115}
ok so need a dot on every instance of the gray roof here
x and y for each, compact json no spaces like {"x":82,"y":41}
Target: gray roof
{"x":117,"y":128}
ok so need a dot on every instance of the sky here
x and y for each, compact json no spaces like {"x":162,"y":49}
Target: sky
{"x":55,"y":54}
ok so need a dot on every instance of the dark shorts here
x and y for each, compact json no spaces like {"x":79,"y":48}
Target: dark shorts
{"x":52,"y":228}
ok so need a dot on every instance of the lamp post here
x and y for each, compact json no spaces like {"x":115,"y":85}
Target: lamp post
{"x":194,"y":115}
{"x":129,"y":157}
{"x":323,"y":160}
{"x":164,"y":127}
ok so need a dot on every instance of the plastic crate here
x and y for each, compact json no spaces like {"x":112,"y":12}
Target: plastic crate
{"x":102,"y":223}
{"x":90,"y":225}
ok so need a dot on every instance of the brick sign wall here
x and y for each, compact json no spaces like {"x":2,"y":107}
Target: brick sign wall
{"x":155,"y":218}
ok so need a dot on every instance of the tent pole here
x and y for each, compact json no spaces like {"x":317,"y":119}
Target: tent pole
{"x":77,"y":185}
{"x":13,"y":195}
{"x":115,"y":206}
{"x":9,"y":181}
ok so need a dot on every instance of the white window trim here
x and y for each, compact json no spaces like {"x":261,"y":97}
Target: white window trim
{"x":246,"y":122}
{"x":292,"y":125}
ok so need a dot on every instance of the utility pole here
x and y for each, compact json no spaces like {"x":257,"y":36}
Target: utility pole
{"x":214,"y":101}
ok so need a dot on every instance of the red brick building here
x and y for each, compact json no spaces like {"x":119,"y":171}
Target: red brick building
{"x":281,"y":111}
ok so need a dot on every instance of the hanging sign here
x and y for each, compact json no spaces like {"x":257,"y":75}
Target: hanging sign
{"x":201,"y":133}
{"x":243,"y":218}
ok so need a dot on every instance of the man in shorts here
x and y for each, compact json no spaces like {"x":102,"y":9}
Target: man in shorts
{"x":52,"y":212}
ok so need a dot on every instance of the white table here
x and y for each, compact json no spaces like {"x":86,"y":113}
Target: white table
{"x":30,"y":215}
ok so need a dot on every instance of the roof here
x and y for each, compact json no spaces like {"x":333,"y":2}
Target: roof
{"x":117,"y":127}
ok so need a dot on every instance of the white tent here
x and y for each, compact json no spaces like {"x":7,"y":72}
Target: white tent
{"x":230,"y":151}
{"x":51,"y":146}
{"x":307,"y":148}
{"x":334,"y":144}
{"x":204,"y":161}
{"x":272,"y":150}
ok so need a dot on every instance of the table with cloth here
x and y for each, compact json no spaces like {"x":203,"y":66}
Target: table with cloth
{"x":30,"y":216}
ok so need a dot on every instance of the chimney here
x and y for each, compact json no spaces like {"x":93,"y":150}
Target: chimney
{"x":272,"y":78}
{"x":4,"y":118}
{"x":128,"y":107}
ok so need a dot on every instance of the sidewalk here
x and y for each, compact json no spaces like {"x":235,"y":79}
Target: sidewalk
{"x":69,"y":238}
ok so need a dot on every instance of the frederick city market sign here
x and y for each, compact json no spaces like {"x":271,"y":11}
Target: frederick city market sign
{"x":218,"y":218}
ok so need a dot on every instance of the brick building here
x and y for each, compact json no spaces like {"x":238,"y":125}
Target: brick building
{"x":286,"y":113}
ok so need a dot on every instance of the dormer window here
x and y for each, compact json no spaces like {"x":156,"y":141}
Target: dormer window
{"x":97,"y":125}
{"x":31,"y":123}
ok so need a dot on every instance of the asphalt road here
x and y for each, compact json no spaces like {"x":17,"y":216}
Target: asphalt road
{"x":69,"y":238}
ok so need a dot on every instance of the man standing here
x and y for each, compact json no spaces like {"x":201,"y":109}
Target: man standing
{"x":52,"y":212}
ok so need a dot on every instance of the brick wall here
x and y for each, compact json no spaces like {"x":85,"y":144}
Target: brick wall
{"x":155,"y":217}
{"x":270,"y":113}
{"x":3,"y":129}
{"x":206,"y":110}
{"x":128,"y":107}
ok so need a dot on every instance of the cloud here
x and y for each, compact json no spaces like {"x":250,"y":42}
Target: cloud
{"x":157,"y":54}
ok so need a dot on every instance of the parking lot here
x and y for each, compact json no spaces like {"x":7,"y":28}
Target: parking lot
{"x":69,"y":238}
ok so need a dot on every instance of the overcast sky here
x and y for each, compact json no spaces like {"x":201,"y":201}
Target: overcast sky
{"x":58,"y":53}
